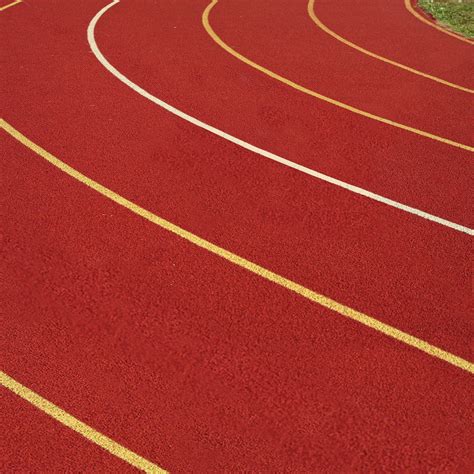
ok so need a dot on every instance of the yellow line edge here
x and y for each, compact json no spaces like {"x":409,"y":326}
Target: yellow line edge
{"x":78,"y":426}
{"x":254,"y":268}
{"x":326,"y":29}
{"x":410,"y":8}
{"x":317,"y":95}
{"x":16,"y":2}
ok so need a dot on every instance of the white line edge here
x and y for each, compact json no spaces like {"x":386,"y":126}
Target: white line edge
{"x":349,"y":187}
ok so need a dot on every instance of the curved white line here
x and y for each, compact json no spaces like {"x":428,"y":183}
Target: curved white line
{"x":350,"y":187}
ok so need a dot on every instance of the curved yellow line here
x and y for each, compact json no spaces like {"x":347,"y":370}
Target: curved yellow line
{"x":16,"y":2}
{"x":305,"y":90}
{"x":241,"y":262}
{"x":410,"y":8}
{"x":332,"y":33}
{"x":78,"y":426}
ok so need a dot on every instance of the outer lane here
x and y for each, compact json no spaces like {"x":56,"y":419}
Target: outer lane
{"x":388,"y":29}
{"x":310,"y":58}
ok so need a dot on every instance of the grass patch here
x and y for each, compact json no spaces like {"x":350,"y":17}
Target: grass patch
{"x":458,"y":17}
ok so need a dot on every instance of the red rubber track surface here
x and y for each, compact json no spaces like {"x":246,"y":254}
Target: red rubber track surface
{"x":280,"y":119}
{"x":176,"y":354}
{"x":34,"y":442}
{"x":309,"y":56}
{"x":388,"y":29}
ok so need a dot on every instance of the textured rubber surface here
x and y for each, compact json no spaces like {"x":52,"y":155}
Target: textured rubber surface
{"x":388,"y":29}
{"x":34,"y":442}
{"x":188,"y":361}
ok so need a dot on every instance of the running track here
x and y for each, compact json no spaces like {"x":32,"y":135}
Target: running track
{"x":233,"y":242}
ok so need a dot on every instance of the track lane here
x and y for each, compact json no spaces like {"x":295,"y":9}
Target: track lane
{"x":320,"y":24}
{"x":339,"y":75}
{"x":248,"y":146}
{"x":388,"y":30}
{"x":189,"y":364}
{"x":294,"y":127}
{"x":339,"y":270}
{"x":233,"y":259}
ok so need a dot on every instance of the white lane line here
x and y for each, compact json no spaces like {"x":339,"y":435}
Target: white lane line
{"x":248,"y":146}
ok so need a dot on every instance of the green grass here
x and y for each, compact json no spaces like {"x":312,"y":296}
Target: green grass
{"x":458,"y":17}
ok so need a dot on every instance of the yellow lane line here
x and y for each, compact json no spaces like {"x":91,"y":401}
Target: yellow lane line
{"x":332,"y":33}
{"x":410,"y":8}
{"x":305,"y":90}
{"x":16,"y":2}
{"x":78,"y":426}
{"x":311,"y":295}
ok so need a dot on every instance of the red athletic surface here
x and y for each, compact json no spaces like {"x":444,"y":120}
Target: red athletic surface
{"x":33,"y":442}
{"x":388,"y":29}
{"x":175,"y":353}
{"x":309,"y":56}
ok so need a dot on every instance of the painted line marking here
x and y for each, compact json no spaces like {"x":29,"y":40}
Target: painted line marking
{"x":78,"y":426}
{"x":326,"y":29}
{"x":410,"y":8}
{"x":16,"y":2}
{"x":259,"y":151}
{"x":317,"y":95}
{"x":252,"y":267}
